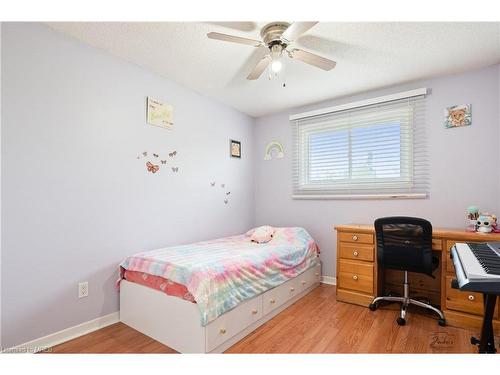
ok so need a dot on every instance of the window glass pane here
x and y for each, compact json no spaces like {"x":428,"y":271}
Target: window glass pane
{"x":376,"y":151}
{"x":328,"y":155}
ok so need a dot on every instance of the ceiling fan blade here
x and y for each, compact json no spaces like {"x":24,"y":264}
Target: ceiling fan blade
{"x":259,"y":68}
{"x":296,"y":29}
{"x":234,"y":39}
{"x":312,"y":59}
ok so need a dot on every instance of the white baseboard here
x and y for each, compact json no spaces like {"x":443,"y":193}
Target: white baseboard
{"x":67,"y":334}
{"x":330,"y":280}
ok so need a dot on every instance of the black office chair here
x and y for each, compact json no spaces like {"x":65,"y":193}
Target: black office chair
{"x":405,"y":243}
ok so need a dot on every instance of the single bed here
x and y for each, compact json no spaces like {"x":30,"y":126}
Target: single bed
{"x":206,"y":296}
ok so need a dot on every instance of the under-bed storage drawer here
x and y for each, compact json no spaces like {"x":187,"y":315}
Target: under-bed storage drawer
{"x":232,"y":322}
{"x":277,"y":296}
{"x":310,"y":277}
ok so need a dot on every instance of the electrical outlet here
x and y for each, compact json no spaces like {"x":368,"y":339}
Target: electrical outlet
{"x":83,"y":289}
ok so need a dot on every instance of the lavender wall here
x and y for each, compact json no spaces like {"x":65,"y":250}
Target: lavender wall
{"x":76,"y":201}
{"x":464,"y":165}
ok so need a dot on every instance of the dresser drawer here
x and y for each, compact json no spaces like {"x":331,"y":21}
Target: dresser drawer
{"x":468,"y":302}
{"x":437,"y":244}
{"x":355,"y":275}
{"x":355,"y":237}
{"x":356,"y":251}
{"x":232,"y":322}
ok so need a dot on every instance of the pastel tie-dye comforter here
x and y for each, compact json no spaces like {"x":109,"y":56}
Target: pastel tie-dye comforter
{"x":222,"y":273}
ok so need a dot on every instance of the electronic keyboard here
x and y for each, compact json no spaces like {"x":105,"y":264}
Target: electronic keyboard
{"x":477,"y":266}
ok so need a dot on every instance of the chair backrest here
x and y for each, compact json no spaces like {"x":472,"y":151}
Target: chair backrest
{"x":404,"y":243}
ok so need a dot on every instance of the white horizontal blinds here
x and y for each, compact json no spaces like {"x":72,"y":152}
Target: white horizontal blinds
{"x":372,"y":150}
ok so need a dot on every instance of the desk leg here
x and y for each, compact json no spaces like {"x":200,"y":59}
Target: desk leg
{"x":487,"y":341}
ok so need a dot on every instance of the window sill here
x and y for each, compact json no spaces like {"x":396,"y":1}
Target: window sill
{"x":359,"y":196}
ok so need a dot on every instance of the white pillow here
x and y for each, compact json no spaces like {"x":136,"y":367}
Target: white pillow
{"x":262,"y":234}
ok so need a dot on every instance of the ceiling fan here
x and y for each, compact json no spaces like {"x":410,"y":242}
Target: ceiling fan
{"x":277,"y":37}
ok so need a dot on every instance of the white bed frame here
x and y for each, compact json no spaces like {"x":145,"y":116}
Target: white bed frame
{"x":176,"y":322}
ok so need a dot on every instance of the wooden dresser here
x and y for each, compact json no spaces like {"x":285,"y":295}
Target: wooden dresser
{"x":359,"y":279}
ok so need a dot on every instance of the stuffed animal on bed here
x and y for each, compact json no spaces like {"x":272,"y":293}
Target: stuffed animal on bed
{"x":262,"y":234}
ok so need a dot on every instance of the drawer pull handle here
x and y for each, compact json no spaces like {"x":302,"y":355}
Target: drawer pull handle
{"x":303,"y":282}
{"x":355,"y":253}
{"x":272,"y":301}
{"x":354,"y":277}
{"x":292,"y":289}
{"x":354,"y":238}
{"x":471,"y":298}
{"x":222,"y":331}
{"x":254,"y":312}
{"x":316,"y":274}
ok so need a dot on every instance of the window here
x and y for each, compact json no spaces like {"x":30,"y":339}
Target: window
{"x":365,"y":151}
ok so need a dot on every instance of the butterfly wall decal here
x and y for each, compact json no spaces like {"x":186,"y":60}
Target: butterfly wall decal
{"x":152,"y":168}
{"x":163,"y":161}
{"x":228,"y":193}
{"x":145,"y":153}
{"x":172,"y":154}
{"x":175,"y":169}
{"x":155,"y":155}
{"x":212,"y":184}
{"x":225,"y":201}
{"x":223,"y":185}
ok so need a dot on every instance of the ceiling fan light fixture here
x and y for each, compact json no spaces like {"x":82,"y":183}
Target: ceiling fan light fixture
{"x":276,"y":66}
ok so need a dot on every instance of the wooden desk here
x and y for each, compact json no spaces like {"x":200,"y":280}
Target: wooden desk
{"x":359,"y":279}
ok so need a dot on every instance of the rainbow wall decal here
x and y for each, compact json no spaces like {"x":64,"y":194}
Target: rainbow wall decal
{"x":274,"y":146}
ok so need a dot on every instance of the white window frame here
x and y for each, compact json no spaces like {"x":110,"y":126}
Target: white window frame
{"x":302,"y":158}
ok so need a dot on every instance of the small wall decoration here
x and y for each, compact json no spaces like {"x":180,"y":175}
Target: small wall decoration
{"x":227,"y":193}
{"x":274,"y":149}
{"x":458,"y":116}
{"x":153,"y":164}
{"x":152,"y":168}
{"x":159,"y":114}
{"x":235,"y":148}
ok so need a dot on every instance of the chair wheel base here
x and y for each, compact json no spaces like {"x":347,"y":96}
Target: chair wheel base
{"x":401,"y":321}
{"x":442,"y":322}
{"x":372,"y":306}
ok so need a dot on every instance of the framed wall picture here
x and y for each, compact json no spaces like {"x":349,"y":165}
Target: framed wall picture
{"x":159,"y":114}
{"x":457,"y":116}
{"x":235,"y":148}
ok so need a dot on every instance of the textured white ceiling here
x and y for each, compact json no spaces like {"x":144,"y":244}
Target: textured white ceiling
{"x":368,"y":55}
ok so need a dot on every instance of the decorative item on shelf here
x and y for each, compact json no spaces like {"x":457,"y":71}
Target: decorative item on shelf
{"x":482,"y":222}
{"x":457,"y":116}
{"x":274,"y":149}
{"x":235,"y":148}
{"x":486,"y":223}
{"x":159,"y":114}
{"x":472,"y":215}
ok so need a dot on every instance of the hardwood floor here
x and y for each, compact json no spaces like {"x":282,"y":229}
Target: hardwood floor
{"x":316,"y":323}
